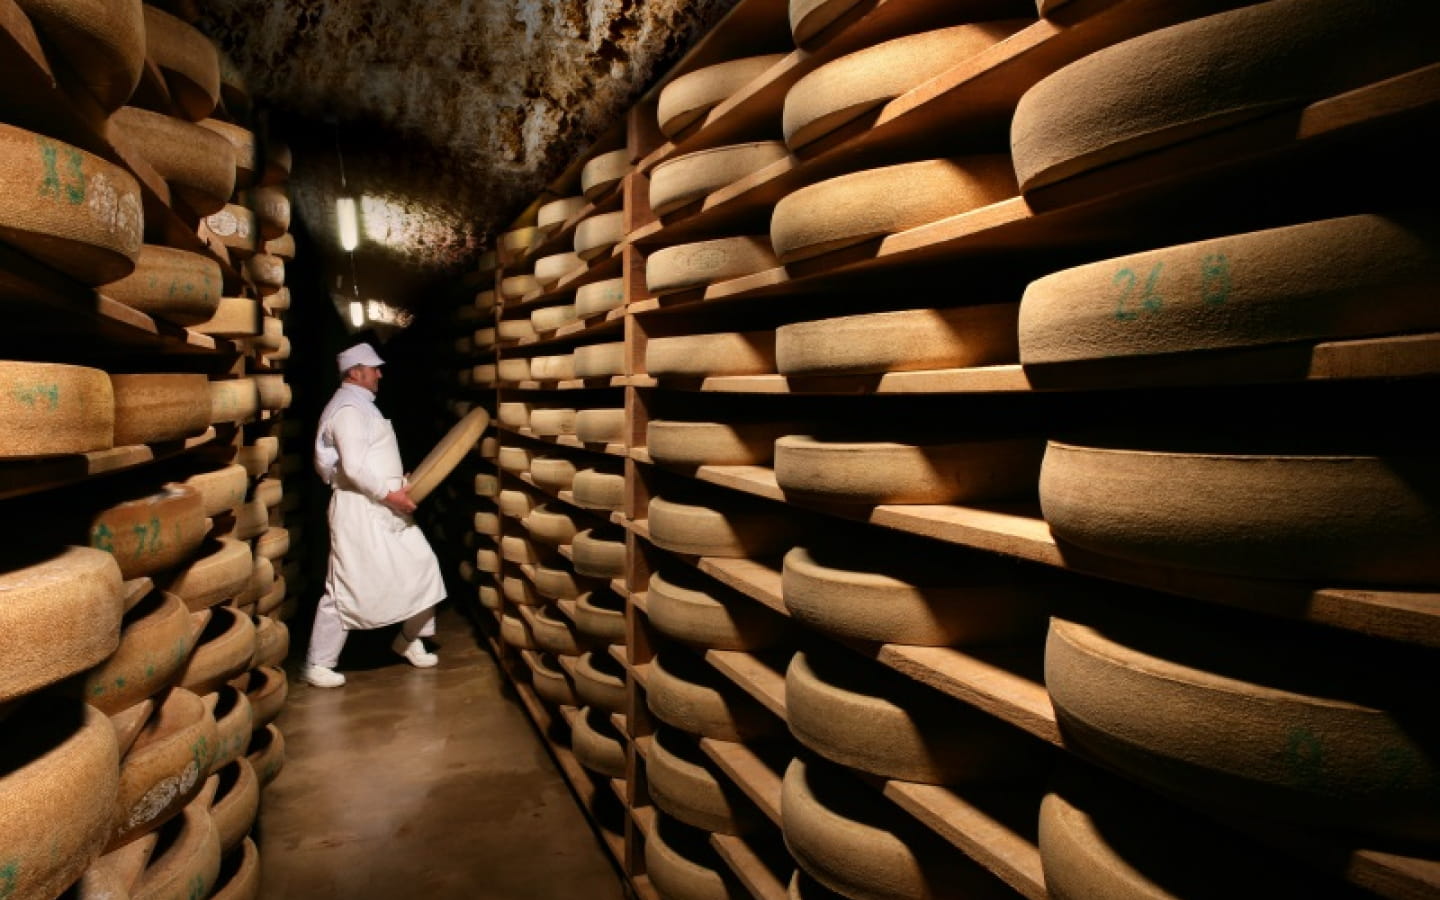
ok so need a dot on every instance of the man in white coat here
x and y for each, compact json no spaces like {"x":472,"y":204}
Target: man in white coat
{"x":382,"y":570}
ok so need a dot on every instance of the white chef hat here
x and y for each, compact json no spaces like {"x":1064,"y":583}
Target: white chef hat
{"x":358,"y":355}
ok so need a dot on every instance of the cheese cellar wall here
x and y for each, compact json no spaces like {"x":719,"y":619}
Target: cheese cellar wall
{"x":948,"y":450}
{"x":144,"y":235}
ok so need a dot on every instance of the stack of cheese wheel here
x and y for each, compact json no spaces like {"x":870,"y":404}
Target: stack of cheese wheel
{"x":680,"y":862}
{"x":550,"y":217}
{"x":688,"y":267}
{"x":687,"y":179}
{"x":603,"y":172}
{"x":596,"y":235}
{"x":516,"y":243}
{"x":920,"y":469}
{"x":189,"y":61}
{"x":599,"y":297}
{"x":1204,"y":75}
{"x":686,"y":100}
{"x":599,"y":487}
{"x":697,"y":610}
{"x":1306,"y":725}
{"x":1105,"y":313}
{"x":859,"y":844}
{"x":198,"y":164}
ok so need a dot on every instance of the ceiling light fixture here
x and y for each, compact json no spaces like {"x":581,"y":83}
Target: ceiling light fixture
{"x":347,"y":217}
{"x":357,"y":313}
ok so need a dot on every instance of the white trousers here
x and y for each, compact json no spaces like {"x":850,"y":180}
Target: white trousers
{"x":327,"y":637}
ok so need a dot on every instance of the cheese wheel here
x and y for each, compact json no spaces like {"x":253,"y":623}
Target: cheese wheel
{"x":236,"y":228}
{"x":219,"y":571}
{"x":553,"y":368}
{"x":272,"y":643}
{"x":684,"y":267}
{"x":810,"y":17}
{"x":234,"y":400}
{"x":236,"y":801}
{"x":556,"y":635}
{"x":603,"y":172}
{"x":59,"y":615}
{"x":873,"y":203}
{"x":682,"y":865}
{"x":274,"y":393}
{"x":1099,"y":837}
{"x":516,"y":549}
{"x":553,"y":473}
{"x":170,"y":284}
{"x":242,"y":143}
{"x":886,"y":593}
{"x":685,"y":784}
{"x":447,"y":453}
{"x":859,"y":845}
{"x":259,"y":456}
{"x":552,"y":525}
{"x":154,"y":408}
{"x":513,"y":414}
{"x":601,"y":426}
{"x":67,"y":208}
{"x":165,"y":767}
{"x":272,"y":333}
{"x":599,"y":296}
{"x":512,"y":371}
{"x":598,"y":746}
{"x":600,"y":613}
{"x":688,"y":98}
{"x":61,"y":762}
{"x":1205,"y":75}
{"x":714,"y":443}
{"x":487,"y":559}
{"x":846,"y":88}
{"x":489,"y":597}
{"x":485,"y":301}
{"x":155,"y":641}
{"x":516,"y":329}
{"x":521,"y":592}
{"x":600,"y":681}
{"x":1326,"y":280}
{"x":702,"y":355}
{"x":222,"y":489}
{"x":1319,"y":735}
{"x":551,"y":216}
{"x":485,"y":522}
{"x":224,"y":650}
{"x":273,"y":544}
{"x":189,"y":60}
{"x":103,"y":43}
{"x":867,"y":717}
{"x":803,"y":887}
{"x":234,"y":721}
{"x":600,"y":360}
{"x":272,"y":211}
{"x":198,"y":164}
{"x":515,"y":459}
{"x":872,"y":472}
{"x":550,"y":269}
{"x":907,"y":340}
{"x":279,"y":354}
{"x":684,"y":691}
{"x":516,"y":242}
{"x":267,"y":753}
{"x":690,"y":178}
{"x":549,"y":680}
{"x":701,"y":612}
{"x":151,"y":533}
{"x":740,"y":531}
{"x":282,"y":246}
{"x":549,"y":318}
{"x":251,"y":520}
{"x":516,"y":632}
{"x":1347,"y":519}
{"x":238,"y":877}
{"x":551,"y":422}
{"x":271,"y":600}
{"x":515,"y":504}
{"x":47,"y":409}
{"x":596,"y":489}
{"x":486,"y":485}
{"x":186,"y":855}
{"x":597,"y":234}
{"x":234,"y":317}
{"x":556,"y":581}
{"x":266,"y":688}
{"x":266,"y":272}
{"x":277,"y":301}
{"x":600,"y":552}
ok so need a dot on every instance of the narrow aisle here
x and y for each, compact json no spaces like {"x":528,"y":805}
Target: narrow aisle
{"x":421,"y":783}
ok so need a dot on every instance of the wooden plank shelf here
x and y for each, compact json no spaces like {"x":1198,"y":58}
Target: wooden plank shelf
{"x":759,"y":677}
{"x":1409,"y":616}
{"x":566,"y":497}
{"x":579,"y":384}
{"x":579,"y":332}
{"x":562,"y":239}
{"x":748,"y":867}
{"x":564,"y":440}
{"x":749,"y":771}
{"x":598,"y":269}
{"x":19,"y":477}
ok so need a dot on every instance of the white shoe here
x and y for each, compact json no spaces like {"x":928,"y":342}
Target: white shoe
{"x":414,"y":652}
{"x":323,"y":677}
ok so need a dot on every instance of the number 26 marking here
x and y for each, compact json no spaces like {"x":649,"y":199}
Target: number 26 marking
{"x":1149,"y":300}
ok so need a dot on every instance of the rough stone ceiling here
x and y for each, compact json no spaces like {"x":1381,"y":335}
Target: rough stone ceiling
{"x":450,"y":115}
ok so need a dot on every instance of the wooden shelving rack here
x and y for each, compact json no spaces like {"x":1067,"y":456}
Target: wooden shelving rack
{"x":1129,"y":207}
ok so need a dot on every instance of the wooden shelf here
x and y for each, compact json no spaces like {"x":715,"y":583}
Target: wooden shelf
{"x":562,"y":240}
{"x":19,"y":477}
{"x":565,"y":440}
{"x":566,"y":497}
{"x":1409,"y":616}
{"x":578,"y":332}
{"x":757,"y":676}
{"x":748,"y":867}
{"x":749,"y":772}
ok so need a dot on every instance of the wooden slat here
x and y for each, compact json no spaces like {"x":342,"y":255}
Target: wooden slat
{"x":19,"y":477}
{"x":754,"y":675}
{"x":749,"y":772}
{"x":748,"y":867}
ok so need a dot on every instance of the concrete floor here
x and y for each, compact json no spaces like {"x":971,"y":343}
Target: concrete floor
{"x":411,"y":783}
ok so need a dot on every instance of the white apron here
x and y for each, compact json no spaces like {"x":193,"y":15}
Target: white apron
{"x":382,"y":569}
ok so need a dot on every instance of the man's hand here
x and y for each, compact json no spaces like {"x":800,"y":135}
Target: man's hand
{"x":400,"y":502}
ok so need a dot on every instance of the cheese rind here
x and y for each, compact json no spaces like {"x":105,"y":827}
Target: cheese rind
{"x":170,"y":284}
{"x":698,"y":530}
{"x":599,"y":296}
{"x":720,"y":353}
{"x":597,"y":745}
{"x":600,"y":681}
{"x":681,"y":864}
{"x":165,"y":767}
{"x":685,"y":784}
{"x":154,"y":408}
{"x":550,"y":269}
{"x":191,"y":63}
{"x":151,"y":533}
{"x":552,"y":215}
{"x":596,"y":235}
{"x":101,"y":41}
{"x":703,"y":613}
{"x":604,"y":172}
{"x":198,"y":163}
{"x":686,"y":179}
{"x":49,"y":409}
{"x":685,"y":692}
{"x":242,"y":143}
{"x":600,"y":426}
{"x":684,"y":267}
{"x":600,"y":360}
{"x":906,"y":340}
{"x":236,"y":228}
{"x":688,"y":98}
{"x":714,"y":443}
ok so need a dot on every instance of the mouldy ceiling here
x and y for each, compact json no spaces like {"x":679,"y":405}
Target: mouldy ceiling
{"x":450,"y":115}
